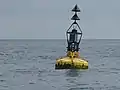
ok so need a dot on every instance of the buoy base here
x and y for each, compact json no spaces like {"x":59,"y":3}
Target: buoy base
{"x":71,"y":63}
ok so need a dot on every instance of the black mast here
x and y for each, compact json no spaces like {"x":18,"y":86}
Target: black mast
{"x":74,"y":37}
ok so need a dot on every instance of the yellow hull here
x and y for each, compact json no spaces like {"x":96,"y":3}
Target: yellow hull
{"x":71,"y":63}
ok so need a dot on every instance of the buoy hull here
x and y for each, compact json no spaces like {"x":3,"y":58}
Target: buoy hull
{"x":71,"y":63}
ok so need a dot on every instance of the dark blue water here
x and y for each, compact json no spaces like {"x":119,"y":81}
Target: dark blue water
{"x":29,"y":65}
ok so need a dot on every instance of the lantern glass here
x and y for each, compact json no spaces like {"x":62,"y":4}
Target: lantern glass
{"x":73,"y":36}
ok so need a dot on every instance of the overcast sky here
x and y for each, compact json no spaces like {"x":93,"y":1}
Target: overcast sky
{"x":43,"y":19}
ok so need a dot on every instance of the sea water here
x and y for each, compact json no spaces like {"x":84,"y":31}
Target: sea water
{"x":30,"y":65}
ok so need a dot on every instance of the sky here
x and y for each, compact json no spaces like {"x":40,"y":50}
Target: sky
{"x":49,"y":19}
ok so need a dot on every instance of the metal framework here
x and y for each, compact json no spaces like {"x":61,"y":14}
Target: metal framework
{"x":72,"y":36}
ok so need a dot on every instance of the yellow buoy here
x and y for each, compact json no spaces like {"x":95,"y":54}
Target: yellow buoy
{"x":74,"y":34}
{"x":71,"y":61}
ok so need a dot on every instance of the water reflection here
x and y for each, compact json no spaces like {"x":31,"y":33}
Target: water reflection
{"x":73,"y":73}
{"x":73,"y":82}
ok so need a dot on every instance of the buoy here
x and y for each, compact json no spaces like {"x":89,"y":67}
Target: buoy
{"x":72,"y":60}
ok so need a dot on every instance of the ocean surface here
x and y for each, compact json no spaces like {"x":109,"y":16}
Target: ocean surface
{"x":29,"y":65}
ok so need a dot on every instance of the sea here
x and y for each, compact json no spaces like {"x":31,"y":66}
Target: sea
{"x":30,"y":65}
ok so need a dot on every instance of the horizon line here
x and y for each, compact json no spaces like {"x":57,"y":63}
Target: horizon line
{"x":57,"y":39}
